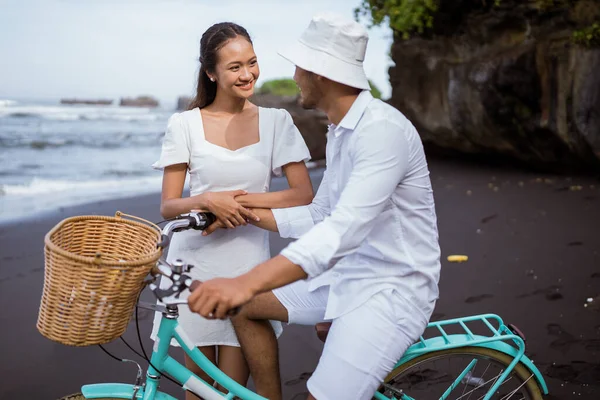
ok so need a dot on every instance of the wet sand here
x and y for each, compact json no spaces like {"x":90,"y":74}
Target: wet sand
{"x":533,"y":242}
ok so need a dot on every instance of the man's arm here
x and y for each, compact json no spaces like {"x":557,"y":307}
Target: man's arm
{"x":290,"y":222}
{"x":273,"y":273}
{"x":214,"y":298}
{"x":293,"y":222}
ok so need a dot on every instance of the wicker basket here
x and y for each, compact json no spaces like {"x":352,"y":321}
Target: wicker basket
{"x":95,"y":267}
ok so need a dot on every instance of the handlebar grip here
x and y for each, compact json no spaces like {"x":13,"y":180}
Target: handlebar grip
{"x":205,"y":220}
{"x":210,"y":218}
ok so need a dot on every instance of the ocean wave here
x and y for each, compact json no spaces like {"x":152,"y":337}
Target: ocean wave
{"x":74,"y":113}
{"x":7,"y":103}
{"x":31,"y":166}
{"x":108,"y":142}
{"x":21,"y":115}
{"x":120,"y":117}
{"x":123,"y":173}
{"x":23,"y":201}
{"x":39,"y":186}
{"x":19,"y":170}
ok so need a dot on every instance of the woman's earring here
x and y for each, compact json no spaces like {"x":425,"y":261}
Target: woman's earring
{"x":212,"y":79}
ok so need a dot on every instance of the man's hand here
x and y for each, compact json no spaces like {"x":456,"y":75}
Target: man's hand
{"x":213,"y":299}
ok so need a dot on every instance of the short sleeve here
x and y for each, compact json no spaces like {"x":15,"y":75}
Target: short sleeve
{"x":288,"y":144}
{"x":175,"y":146}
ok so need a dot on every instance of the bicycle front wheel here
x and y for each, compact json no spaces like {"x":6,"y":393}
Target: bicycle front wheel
{"x":431,"y":375}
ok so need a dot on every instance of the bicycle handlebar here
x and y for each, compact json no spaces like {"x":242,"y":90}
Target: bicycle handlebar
{"x":177,"y":271}
{"x":193,"y":220}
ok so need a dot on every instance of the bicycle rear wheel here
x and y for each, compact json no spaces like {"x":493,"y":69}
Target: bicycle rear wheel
{"x":79,"y":396}
{"x":430,"y":375}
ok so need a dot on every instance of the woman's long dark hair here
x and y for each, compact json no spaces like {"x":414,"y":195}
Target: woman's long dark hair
{"x":212,"y":40}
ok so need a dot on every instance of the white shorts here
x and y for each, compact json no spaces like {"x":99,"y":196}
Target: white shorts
{"x":362,"y":346}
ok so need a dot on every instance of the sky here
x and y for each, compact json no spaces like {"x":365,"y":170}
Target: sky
{"x":120,"y":48}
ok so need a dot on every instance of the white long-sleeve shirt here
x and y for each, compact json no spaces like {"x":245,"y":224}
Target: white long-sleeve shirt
{"x":372,"y":225}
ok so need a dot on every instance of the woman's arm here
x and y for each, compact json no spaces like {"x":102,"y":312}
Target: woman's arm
{"x":222,"y":204}
{"x":300,"y":192}
{"x":266,"y":221}
{"x":171,"y":202}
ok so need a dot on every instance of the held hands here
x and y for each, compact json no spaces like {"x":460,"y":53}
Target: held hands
{"x":216,"y":298}
{"x":229,"y":212}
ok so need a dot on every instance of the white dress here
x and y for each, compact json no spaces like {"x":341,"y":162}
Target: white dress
{"x":225,"y":253}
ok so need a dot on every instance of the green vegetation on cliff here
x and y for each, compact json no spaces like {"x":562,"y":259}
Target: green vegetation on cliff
{"x":409,"y":18}
{"x":279,"y":87}
{"x":375,"y":92}
{"x":404,"y":16}
{"x":589,"y":36}
{"x":287,"y":87}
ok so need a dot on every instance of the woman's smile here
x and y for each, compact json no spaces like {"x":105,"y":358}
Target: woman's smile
{"x":246,"y":86}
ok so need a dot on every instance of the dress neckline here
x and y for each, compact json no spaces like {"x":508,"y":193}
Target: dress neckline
{"x":201,"y":121}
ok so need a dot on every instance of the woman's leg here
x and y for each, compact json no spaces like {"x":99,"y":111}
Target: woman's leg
{"x":211,"y":353}
{"x":233,"y":363}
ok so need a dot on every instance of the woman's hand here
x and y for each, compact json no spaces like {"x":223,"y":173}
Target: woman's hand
{"x":227,"y":210}
{"x":213,"y":227}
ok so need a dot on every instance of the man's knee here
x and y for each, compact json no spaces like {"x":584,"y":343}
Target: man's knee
{"x":265,"y":306}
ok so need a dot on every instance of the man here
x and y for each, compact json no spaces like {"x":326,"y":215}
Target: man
{"x":367,"y":257}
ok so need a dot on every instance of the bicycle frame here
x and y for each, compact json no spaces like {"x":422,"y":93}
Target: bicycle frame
{"x":170,"y":329}
{"x":502,"y":339}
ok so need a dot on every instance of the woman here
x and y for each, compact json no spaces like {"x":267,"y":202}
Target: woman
{"x":230,"y":147}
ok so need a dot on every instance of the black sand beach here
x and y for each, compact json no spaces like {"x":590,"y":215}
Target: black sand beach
{"x":533,"y":242}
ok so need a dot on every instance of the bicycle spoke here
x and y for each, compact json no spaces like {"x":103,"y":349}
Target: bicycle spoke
{"x":517,"y":389}
{"x":493,"y":383}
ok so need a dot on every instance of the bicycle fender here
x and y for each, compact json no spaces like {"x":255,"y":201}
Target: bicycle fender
{"x":526,"y":361}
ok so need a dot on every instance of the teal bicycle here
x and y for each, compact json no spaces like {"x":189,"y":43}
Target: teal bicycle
{"x":477,"y":357}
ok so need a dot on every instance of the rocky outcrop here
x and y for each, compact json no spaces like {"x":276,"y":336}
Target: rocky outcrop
{"x":183,"y":102}
{"x":312,"y":124}
{"x":508,"y":81}
{"x":140,"y":101}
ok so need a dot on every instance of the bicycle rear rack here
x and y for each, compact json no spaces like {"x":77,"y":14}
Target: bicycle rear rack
{"x":466,"y":337}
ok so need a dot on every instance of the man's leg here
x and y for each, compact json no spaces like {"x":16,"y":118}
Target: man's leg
{"x":363,"y":346}
{"x":292,"y":303}
{"x":258,"y":342}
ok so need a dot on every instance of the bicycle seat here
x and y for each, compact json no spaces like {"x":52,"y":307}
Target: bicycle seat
{"x":322,"y":329}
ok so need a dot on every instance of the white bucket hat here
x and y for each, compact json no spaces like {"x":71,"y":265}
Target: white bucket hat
{"x":334,"y":47}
